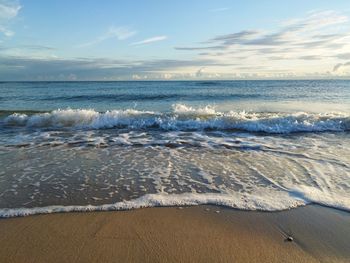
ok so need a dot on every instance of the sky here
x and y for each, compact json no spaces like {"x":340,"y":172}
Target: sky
{"x":48,"y":40}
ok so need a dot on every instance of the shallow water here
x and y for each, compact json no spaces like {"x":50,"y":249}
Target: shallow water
{"x":266,"y":145}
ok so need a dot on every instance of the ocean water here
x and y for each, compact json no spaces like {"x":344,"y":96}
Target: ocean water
{"x":254,"y":145}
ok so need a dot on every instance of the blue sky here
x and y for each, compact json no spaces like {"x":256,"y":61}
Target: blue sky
{"x":124,"y":40}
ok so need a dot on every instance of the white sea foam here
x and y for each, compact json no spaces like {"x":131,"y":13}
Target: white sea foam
{"x":185,"y":118}
{"x":323,"y":197}
{"x":260,"y":200}
{"x":175,"y":161}
{"x":280,"y":201}
{"x":270,"y":173}
{"x":188,"y":110}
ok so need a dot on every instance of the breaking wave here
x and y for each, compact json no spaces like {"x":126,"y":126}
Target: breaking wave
{"x":183,"y":118}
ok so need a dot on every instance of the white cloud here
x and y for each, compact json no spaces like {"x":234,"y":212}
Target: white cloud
{"x":317,"y":20}
{"x":150,"y":40}
{"x":302,"y":46}
{"x":6,"y":32}
{"x":8,"y":11}
{"x":341,"y":65}
{"x":120,"y":33}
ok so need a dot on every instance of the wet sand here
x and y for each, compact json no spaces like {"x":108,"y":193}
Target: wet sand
{"x":189,"y":234}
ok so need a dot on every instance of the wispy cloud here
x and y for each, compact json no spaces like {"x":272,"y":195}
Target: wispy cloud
{"x":200,"y":48}
{"x":220,"y":9}
{"x":150,"y":40}
{"x":8,"y":11}
{"x":306,"y":32}
{"x":28,"y":47}
{"x":119,"y":33}
{"x":321,"y":35}
{"x":341,"y":65}
{"x":6,"y":32}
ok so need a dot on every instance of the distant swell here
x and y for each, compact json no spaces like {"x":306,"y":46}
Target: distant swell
{"x":183,"y":118}
{"x":149,"y":97}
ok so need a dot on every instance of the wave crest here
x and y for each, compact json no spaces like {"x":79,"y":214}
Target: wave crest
{"x":184,"y":118}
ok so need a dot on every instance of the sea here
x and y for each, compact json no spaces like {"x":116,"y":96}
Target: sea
{"x":265,"y":145}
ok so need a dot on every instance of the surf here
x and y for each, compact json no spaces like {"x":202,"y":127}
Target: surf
{"x":184,"y":118}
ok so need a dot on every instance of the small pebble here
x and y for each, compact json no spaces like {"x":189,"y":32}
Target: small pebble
{"x":207,"y":209}
{"x":290,"y":239}
{"x":180,"y":207}
{"x":217,"y":211}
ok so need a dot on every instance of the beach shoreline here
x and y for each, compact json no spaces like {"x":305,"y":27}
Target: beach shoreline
{"x":179,"y":234}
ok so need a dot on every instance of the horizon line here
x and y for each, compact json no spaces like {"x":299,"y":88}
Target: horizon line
{"x":176,"y":80}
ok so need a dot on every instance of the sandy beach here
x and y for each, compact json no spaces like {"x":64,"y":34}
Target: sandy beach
{"x":189,"y":234}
